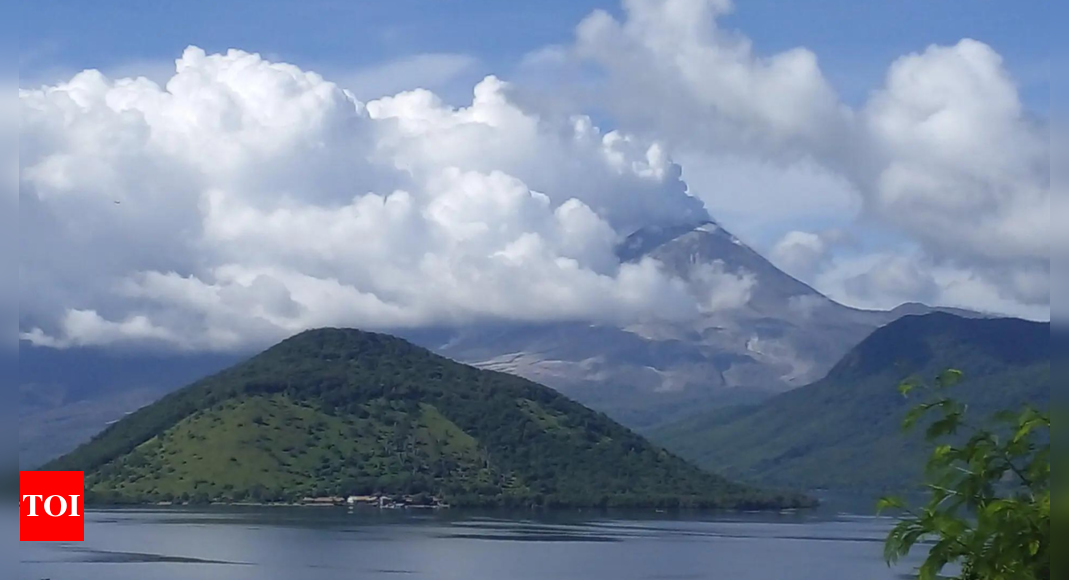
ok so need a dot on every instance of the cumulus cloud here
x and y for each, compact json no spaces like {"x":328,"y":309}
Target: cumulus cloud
{"x":678,"y":72}
{"x":961,"y":168}
{"x":87,"y":328}
{"x":886,"y":279}
{"x":943,"y":153}
{"x":246,"y":200}
{"x":801,"y":254}
{"x":239,"y":200}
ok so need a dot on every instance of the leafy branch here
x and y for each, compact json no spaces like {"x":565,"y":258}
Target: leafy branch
{"x":988,"y":512}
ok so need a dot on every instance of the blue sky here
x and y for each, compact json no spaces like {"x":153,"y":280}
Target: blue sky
{"x":855,"y":40}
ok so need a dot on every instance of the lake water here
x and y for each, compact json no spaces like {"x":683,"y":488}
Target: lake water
{"x":334,"y":544}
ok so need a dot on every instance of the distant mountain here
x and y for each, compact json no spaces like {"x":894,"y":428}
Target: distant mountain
{"x":784,"y":336}
{"x":338,"y":412}
{"x":67,"y":396}
{"x":647,"y":375}
{"x":843,"y":431}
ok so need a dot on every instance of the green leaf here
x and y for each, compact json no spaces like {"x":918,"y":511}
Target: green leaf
{"x":945,"y":426}
{"x":919,"y":411}
{"x":913,"y":416}
{"x":888,"y":503}
{"x":908,"y":385}
{"x":949,"y":378}
{"x":988,"y":514}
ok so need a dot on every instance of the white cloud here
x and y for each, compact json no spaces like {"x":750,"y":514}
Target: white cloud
{"x":892,"y":280}
{"x":800,"y":253}
{"x":242,"y":200}
{"x":86,"y":328}
{"x":718,"y":290}
{"x":807,"y":305}
{"x":959,"y":165}
{"x":247,"y":200}
{"x":944,"y":153}
{"x":883,"y":280}
{"x":805,"y":255}
{"x":675,"y":71}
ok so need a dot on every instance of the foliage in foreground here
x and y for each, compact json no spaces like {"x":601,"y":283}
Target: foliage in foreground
{"x":988,"y":516}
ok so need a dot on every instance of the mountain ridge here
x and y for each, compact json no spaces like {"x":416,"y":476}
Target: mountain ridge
{"x":784,"y":336}
{"x":843,"y":431}
{"x":343,"y":412}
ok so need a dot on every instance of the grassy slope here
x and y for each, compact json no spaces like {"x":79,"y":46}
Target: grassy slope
{"x":247,"y":442}
{"x":844,"y":431}
{"x":344,"y":412}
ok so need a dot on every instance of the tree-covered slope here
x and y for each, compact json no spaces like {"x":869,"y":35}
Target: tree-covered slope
{"x":339,"y":412}
{"x":844,"y":431}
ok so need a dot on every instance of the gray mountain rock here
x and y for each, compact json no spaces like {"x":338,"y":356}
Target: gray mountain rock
{"x":779,"y":335}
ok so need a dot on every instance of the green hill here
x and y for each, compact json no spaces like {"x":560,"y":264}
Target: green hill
{"x":844,"y":431}
{"x":343,"y":412}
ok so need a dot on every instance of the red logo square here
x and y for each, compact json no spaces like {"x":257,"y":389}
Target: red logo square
{"x":51,"y":506}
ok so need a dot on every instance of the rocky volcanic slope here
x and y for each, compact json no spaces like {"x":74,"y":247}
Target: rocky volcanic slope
{"x":784,"y":336}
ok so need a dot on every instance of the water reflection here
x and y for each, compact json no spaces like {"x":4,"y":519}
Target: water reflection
{"x":327,"y":543}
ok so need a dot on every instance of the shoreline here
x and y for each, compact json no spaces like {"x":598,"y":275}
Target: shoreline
{"x":529,"y":509}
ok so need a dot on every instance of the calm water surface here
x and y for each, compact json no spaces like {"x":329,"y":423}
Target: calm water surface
{"x":334,"y":544}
